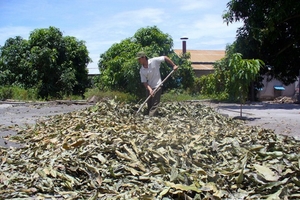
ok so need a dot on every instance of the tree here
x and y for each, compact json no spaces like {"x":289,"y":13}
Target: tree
{"x":53,"y":64}
{"x":242,"y":73}
{"x":119,"y":70}
{"x":15,"y":68}
{"x":78,"y":58}
{"x":232,"y":76}
{"x":56,"y":75}
{"x":271,"y":33}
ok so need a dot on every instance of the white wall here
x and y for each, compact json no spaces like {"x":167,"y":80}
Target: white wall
{"x":268,"y":91}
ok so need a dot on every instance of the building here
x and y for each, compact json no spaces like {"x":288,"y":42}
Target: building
{"x":202,"y":64}
{"x":203,"y":60}
{"x":276,"y":89}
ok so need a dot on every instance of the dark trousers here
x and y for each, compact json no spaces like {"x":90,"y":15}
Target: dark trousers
{"x":153,"y":102}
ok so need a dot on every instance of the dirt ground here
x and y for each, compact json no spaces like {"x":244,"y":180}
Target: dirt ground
{"x":23,"y":114}
{"x":283,"y":118}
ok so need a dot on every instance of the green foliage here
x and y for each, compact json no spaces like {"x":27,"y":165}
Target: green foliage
{"x":119,"y":69}
{"x":207,"y":84}
{"x":77,"y":56}
{"x":6,"y":93}
{"x":15,"y":66}
{"x":243,"y":72}
{"x":180,"y":95}
{"x":208,"y":87}
{"x":231,"y":78}
{"x":186,"y":74}
{"x":52,"y":64}
{"x":271,"y":33}
{"x":17,"y":93}
{"x":197,"y":87}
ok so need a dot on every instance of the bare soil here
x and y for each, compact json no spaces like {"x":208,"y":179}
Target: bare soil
{"x":282,"y":118}
{"x":22,"y":114}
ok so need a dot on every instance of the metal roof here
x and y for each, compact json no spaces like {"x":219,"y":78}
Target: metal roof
{"x":203,"y":59}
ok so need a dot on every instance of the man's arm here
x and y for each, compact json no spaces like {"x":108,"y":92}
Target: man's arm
{"x":147,"y":86}
{"x":169,"y":61}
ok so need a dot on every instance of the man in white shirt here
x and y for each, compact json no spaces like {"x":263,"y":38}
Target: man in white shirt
{"x":151,"y":78}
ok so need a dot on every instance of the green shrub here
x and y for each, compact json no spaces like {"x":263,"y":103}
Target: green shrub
{"x":6,"y":93}
{"x":180,"y":95}
{"x":207,"y":84}
{"x":17,"y":93}
{"x":25,"y":94}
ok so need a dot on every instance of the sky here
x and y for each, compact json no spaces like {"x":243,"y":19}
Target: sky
{"x":102,"y":23}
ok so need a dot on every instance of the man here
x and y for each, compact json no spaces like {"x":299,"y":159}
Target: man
{"x":151,"y":78}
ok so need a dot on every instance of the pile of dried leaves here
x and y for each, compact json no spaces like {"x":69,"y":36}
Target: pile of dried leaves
{"x":189,"y":152}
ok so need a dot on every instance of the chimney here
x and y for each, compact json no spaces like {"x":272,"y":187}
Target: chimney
{"x":184,"y":39}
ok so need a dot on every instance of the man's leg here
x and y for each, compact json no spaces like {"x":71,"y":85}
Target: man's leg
{"x":154,"y":103}
{"x":149,"y":102}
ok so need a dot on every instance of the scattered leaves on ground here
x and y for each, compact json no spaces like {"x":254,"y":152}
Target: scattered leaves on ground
{"x":189,"y":151}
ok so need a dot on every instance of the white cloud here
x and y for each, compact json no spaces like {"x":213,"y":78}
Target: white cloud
{"x":13,"y":31}
{"x":207,"y":32}
{"x":140,"y":17}
{"x":203,"y":5}
{"x":102,"y":24}
{"x":188,"y":5}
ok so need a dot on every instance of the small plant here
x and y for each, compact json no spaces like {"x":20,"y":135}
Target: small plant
{"x":17,"y":93}
{"x":6,"y":93}
{"x":180,"y":95}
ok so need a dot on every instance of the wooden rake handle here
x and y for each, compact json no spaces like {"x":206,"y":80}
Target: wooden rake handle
{"x":154,"y":91}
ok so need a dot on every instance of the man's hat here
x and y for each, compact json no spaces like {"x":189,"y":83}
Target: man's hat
{"x":140,"y":55}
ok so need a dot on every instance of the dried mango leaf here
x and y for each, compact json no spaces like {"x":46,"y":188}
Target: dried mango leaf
{"x":266,"y":172}
{"x":270,"y":185}
{"x":209,"y":187}
{"x":164,"y":192}
{"x":174,"y":174}
{"x":275,"y":195}
{"x":77,"y":143}
{"x":183,"y":187}
{"x":108,"y":152}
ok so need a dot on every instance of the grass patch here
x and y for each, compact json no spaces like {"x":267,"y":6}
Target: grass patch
{"x":20,"y":94}
{"x":175,"y":95}
{"x":17,"y":93}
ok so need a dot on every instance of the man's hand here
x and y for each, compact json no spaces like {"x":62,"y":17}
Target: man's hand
{"x":175,"y":67}
{"x":151,"y":92}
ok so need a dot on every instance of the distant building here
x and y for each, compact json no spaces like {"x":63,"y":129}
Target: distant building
{"x":276,"y":89}
{"x":203,"y":60}
{"x":202,"y":64}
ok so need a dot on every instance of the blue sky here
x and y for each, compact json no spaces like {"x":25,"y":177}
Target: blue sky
{"x":101,"y":23}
